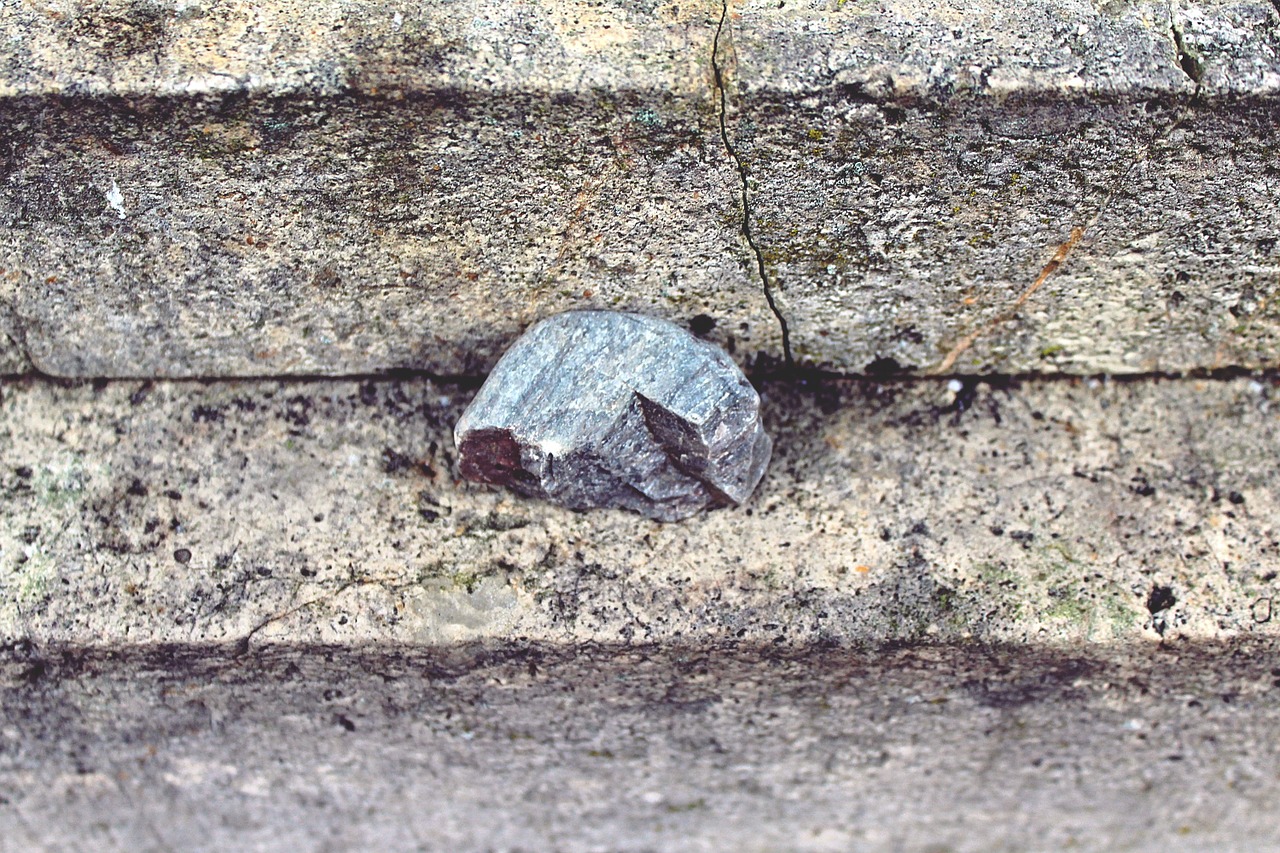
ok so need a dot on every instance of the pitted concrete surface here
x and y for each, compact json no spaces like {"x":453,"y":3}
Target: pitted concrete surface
{"x":353,"y":187}
{"x":222,"y":189}
{"x":1077,"y":511}
{"x":943,"y":187}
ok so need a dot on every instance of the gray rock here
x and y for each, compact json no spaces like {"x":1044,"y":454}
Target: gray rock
{"x":606,"y":409}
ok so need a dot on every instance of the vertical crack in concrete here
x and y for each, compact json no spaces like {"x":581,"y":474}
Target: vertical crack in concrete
{"x":743,"y":188}
{"x":1189,"y":59}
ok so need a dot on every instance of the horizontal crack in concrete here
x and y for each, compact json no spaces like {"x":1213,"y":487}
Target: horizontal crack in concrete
{"x":801,"y":376}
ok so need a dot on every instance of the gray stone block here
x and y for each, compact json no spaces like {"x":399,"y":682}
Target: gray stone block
{"x":377,"y":235}
{"x":1059,"y":187}
{"x":539,"y":746}
{"x":350,"y":187}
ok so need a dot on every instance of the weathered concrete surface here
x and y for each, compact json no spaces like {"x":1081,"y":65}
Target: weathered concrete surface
{"x":12,"y":360}
{"x":915,"y":168}
{"x":351,"y":187}
{"x":328,"y":512}
{"x":347,"y":188}
{"x":536,"y":747}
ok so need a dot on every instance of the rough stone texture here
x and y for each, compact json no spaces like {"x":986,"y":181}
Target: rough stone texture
{"x":370,"y":235}
{"x":226,"y":188}
{"x":12,"y":360}
{"x":542,"y":747}
{"x":353,"y":187}
{"x":597,"y":409}
{"x":329,"y":512}
{"x":323,"y":188}
{"x":916,"y":166}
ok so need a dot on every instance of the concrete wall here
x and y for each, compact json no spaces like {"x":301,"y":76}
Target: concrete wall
{"x":352,"y":188}
{"x":245,"y":603}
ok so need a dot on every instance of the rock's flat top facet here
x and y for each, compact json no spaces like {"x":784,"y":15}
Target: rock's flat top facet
{"x":607,"y":409}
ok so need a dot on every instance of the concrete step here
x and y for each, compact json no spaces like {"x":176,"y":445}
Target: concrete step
{"x":713,"y":747}
{"x":242,"y":189}
{"x":328,"y":512}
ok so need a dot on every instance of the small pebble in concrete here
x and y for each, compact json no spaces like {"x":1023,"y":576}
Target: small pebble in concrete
{"x":604,"y":409}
